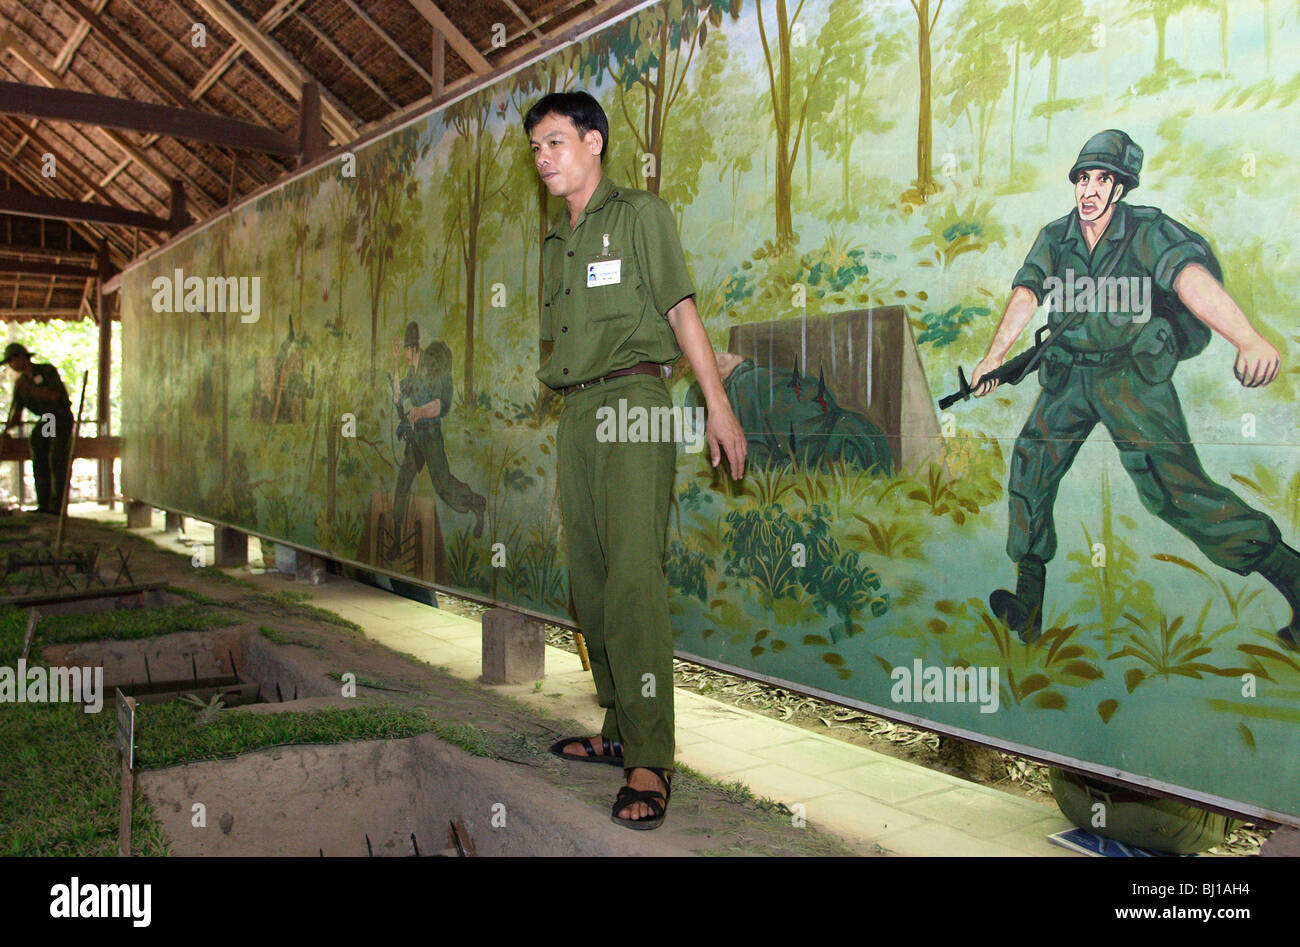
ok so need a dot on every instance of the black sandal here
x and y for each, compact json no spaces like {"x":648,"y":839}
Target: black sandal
{"x":611,"y":751}
{"x":651,"y":797}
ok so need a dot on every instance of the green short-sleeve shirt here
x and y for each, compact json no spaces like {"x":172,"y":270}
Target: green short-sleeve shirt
{"x":1130,"y":274}
{"x":431,"y":379}
{"x":43,"y":392}
{"x":608,"y":285}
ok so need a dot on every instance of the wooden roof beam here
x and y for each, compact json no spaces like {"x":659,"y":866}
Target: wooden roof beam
{"x":83,"y":107}
{"x":90,"y":233}
{"x":46,"y":75}
{"x":47,"y":268}
{"x":455,"y":38}
{"x":27,"y":204}
{"x":151,"y":67}
{"x":282,"y":67}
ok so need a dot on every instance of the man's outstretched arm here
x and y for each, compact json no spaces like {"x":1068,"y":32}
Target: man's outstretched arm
{"x":1020,"y":309}
{"x":724,"y":430}
{"x":1257,"y":360}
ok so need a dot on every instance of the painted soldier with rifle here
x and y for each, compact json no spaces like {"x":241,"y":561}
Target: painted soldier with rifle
{"x":1149,"y":296}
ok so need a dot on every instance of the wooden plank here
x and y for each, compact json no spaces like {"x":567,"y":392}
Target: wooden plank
{"x":31,"y":101}
{"x":80,"y":595}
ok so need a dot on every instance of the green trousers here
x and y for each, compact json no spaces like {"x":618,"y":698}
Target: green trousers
{"x":1147,"y":425}
{"x":50,"y":462}
{"x":614,"y":499}
{"x":424,"y":447}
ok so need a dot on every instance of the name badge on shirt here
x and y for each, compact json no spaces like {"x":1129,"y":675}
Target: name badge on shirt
{"x":604,"y":273}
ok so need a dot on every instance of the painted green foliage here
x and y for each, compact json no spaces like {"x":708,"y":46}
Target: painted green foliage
{"x":822,"y":156}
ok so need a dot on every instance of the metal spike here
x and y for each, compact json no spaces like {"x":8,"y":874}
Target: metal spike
{"x":415,"y":845}
{"x":278,"y":696}
{"x":233,"y":669}
{"x":369,"y":850}
{"x":147,"y":676}
{"x":194,"y":666}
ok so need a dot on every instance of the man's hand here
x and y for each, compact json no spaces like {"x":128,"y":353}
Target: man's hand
{"x":397,"y":349}
{"x":1257,"y":362}
{"x":726,"y":434}
{"x":987,"y":364}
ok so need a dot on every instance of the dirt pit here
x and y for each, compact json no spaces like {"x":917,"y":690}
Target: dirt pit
{"x":382,"y":798}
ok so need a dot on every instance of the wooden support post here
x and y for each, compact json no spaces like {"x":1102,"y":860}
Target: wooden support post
{"x":174,"y":523}
{"x":514,"y":648}
{"x":104,"y":315}
{"x":139,"y":515}
{"x":309,"y":568}
{"x":179,"y":218}
{"x":67,"y":470}
{"x":126,"y":744}
{"x":439,"y":64}
{"x":311,"y":137}
{"x":231,"y":547}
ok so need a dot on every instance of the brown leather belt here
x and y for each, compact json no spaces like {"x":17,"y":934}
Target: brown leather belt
{"x":640,"y":368}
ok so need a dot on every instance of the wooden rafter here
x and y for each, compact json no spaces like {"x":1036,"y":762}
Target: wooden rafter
{"x":47,"y":76}
{"x":391,"y":43}
{"x":345,"y":59}
{"x":31,"y":101}
{"x":150,"y":67}
{"x":282,"y":67}
{"x":523,"y":18}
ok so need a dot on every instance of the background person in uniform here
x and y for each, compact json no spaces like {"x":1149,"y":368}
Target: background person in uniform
{"x":1114,"y":368}
{"x":427,"y":387}
{"x":39,"y":390}
{"x":617,"y":301}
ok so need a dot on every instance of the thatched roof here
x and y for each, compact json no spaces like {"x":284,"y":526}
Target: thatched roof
{"x":372,"y":59}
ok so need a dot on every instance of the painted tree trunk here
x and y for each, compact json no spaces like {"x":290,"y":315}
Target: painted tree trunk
{"x":924,"y":130}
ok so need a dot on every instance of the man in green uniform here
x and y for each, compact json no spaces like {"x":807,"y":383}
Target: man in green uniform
{"x":40,"y":390}
{"x":427,"y":386}
{"x":792,"y":418}
{"x":617,"y":302}
{"x":1132,"y":293}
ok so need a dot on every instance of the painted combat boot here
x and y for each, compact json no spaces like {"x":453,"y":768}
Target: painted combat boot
{"x":1023,"y":611}
{"x":1282,"y":568}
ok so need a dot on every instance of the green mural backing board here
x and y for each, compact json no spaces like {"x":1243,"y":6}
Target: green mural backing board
{"x":861,"y":191}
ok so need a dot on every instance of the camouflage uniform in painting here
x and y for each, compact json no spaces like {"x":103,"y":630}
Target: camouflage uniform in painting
{"x":429,"y":380}
{"x":1113,"y":365}
{"x":790,"y":417}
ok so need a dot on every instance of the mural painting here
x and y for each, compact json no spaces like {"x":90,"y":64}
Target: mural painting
{"x":1090,"y":561}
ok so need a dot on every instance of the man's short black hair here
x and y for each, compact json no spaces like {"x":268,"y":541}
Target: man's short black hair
{"x":578,"y":107}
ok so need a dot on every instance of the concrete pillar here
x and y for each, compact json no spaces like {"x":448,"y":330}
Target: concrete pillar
{"x":138,"y":515}
{"x":514,"y":648}
{"x":308,"y":568}
{"x":231,"y":547}
{"x":175,"y":523}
